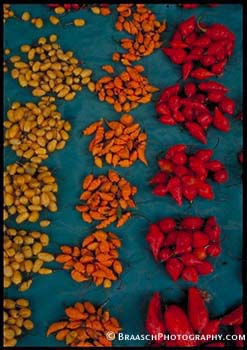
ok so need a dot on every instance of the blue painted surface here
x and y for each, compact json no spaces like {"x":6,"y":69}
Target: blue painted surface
{"x":129,"y":297}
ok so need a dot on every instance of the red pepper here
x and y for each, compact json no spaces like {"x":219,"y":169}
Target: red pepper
{"x":201,"y":73}
{"x":177,"y":323}
{"x":187,"y":69}
{"x":212,"y":328}
{"x":188,"y":112}
{"x":197,"y":310}
{"x":160,"y":190}
{"x":174,"y":186}
{"x":53,"y":5}
{"x":212,"y":86}
{"x":168,"y":92}
{"x":160,"y":178}
{"x":174,"y":103}
{"x":205,"y":120}
{"x":174,"y":149}
{"x":201,"y":98}
{"x":174,"y":268}
{"x":178,"y":116}
{"x":177,"y":36}
{"x":197,"y":166}
{"x":211,"y":222}
{"x":229,"y":47}
{"x":196,"y":105}
{"x":219,"y":32}
{"x":238,"y":331}
{"x":218,"y":68}
{"x":188,"y":26}
{"x":190,"y":6}
{"x":194,"y":55}
{"x":179,"y":158}
{"x":220,"y":122}
{"x":208,"y":60}
{"x":177,"y":56}
{"x":183,"y":242}
{"x":190,"y":259}
{"x":189,"y":192}
{"x":167,"y":224}
{"x":190,"y":89}
{"x":213,"y":232}
{"x":165,"y":165}
{"x":213,"y":249}
{"x":205,"y":268}
{"x":216,"y":97}
{"x":190,"y":38}
{"x":221,"y":54}
{"x":192,"y":223}
{"x":200,"y":239}
{"x":165,"y":254}
{"x":205,"y":154}
{"x":162,"y":108}
{"x":190,"y":274}
{"x":205,"y":191}
{"x":214,"y":165}
{"x":178,"y":44}
{"x":67,"y":6}
{"x":167,"y":120}
{"x":200,"y":253}
{"x":196,"y":131}
{"x":180,"y":170}
{"x":155,"y":321}
{"x":155,"y":238}
{"x":227,"y":105}
{"x":203,"y":41}
{"x":171,"y":238}
{"x":220,"y":176}
{"x":233,"y":318}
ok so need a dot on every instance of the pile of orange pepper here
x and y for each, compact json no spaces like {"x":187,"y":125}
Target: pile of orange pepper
{"x":106,"y":199}
{"x":140,"y":22}
{"x":85,"y":325}
{"x":118,"y":143}
{"x":126,"y":90}
{"x":96,"y":260}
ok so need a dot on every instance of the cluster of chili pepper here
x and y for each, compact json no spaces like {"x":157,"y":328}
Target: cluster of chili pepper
{"x":196,"y":107}
{"x":203,"y":51}
{"x":234,"y":320}
{"x":86,"y":325}
{"x":184,"y":174}
{"x":119,"y":142}
{"x":141,"y":23}
{"x":96,"y":259}
{"x":194,"y":6}
{"x":67,"y":7}
{"x":184,"y":246}
{"x":175,"y":320}
{"x":106,"y":199}
{"x":126,"y":90}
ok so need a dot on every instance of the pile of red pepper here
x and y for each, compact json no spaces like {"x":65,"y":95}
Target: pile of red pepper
{"x":67,"y":7}
{"x":184,"y":174}
{"x":194,"y":6}
{"x":183,"y":246}
{"x":203,"y":51}
{"x":174,"y":320}
{"x":196,"y":107}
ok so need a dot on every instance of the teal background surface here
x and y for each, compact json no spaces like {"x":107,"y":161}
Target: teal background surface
{"x":127,"y":300}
